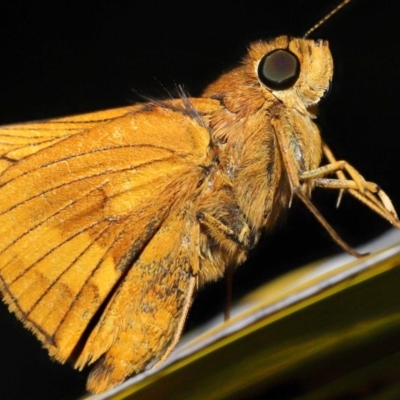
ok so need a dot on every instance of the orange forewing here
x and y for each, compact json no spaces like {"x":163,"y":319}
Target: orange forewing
{"x":93,"y":239}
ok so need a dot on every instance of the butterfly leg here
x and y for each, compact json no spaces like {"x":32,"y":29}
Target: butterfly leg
{"x":366,"y":192}
{"x":223,"y":233}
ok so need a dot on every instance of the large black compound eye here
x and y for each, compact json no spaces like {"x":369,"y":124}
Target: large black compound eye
{"x":279,"y":69}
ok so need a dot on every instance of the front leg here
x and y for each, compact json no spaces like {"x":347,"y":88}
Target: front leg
{"x":368,"y":193}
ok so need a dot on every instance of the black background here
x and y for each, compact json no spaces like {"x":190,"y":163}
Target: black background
{"x":58,"y":58}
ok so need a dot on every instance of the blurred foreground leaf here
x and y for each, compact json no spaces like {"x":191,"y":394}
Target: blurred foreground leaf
{"x":326,"y":331}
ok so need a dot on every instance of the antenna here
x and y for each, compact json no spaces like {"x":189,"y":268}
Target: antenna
{"x":324,"y":19}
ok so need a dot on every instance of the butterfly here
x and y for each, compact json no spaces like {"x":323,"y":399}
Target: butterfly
{"x":111,"y":221}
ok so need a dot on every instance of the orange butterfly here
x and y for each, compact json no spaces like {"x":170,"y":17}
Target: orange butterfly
{"x":110,"y":221}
